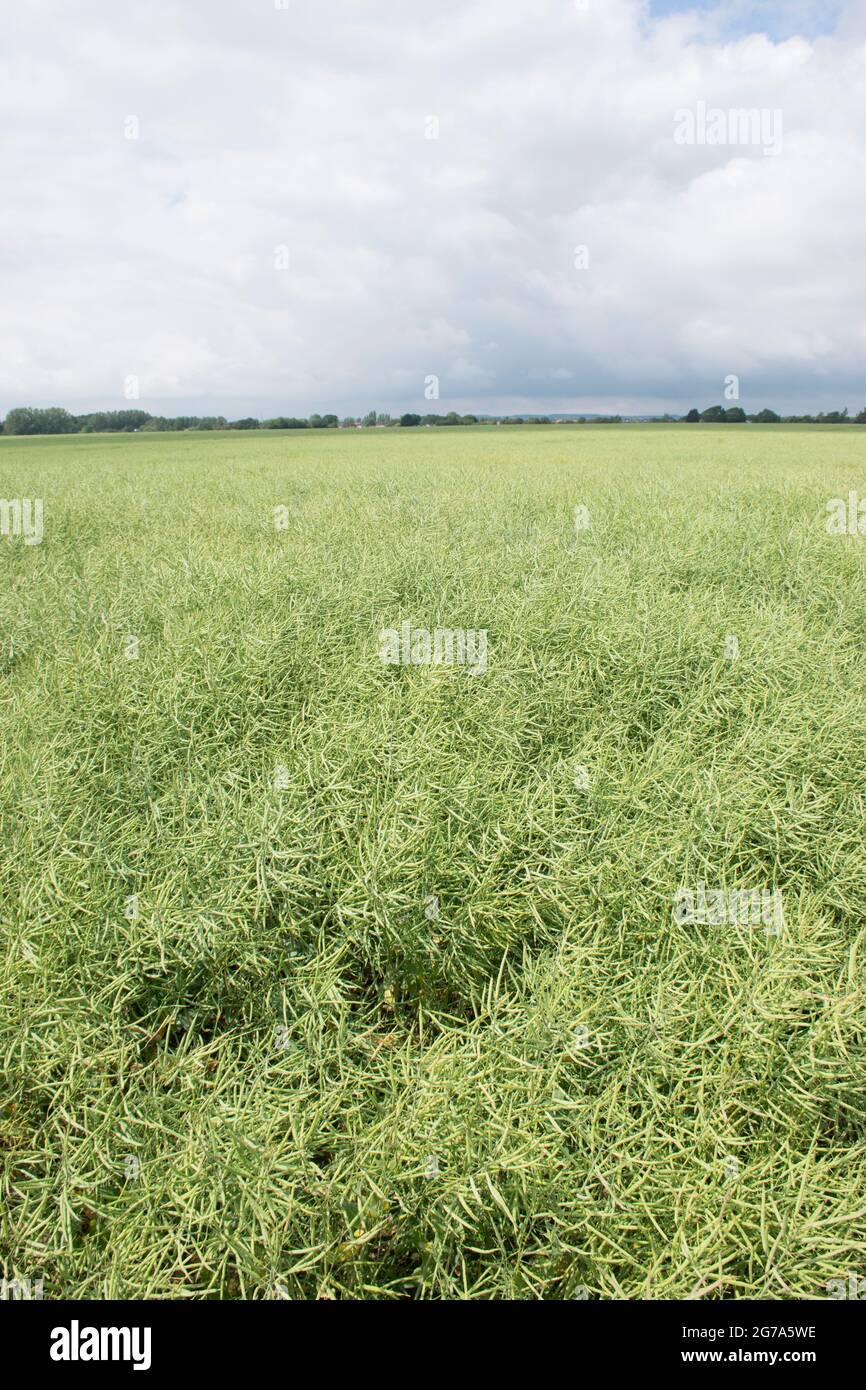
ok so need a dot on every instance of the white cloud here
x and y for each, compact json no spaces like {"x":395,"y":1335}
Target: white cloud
{"x":411,"y":256}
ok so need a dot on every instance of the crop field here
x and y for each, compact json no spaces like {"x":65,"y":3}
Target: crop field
{"x":433,"y":864}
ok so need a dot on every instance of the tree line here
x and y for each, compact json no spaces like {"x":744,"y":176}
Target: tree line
{"x":718,"y":415}
{"x":56,"y":420}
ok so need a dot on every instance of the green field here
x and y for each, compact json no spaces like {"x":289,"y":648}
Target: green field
{"x":325,"y":978}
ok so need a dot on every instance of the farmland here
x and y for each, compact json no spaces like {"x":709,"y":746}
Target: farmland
{"x":331,"y":976}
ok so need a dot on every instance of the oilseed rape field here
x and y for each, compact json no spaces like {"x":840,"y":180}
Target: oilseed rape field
{"x":433,"y":863}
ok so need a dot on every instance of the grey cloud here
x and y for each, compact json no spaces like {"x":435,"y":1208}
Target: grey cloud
{"x":305,"y":128}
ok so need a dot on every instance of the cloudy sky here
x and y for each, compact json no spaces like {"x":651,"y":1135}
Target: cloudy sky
{"x":262,"y":209}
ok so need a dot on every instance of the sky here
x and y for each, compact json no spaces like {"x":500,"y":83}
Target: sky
{"x":285,"y":206}
{"x":780,"y":19}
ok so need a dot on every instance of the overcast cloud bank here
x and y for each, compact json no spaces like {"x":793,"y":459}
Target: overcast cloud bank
{"x":252,"y":209}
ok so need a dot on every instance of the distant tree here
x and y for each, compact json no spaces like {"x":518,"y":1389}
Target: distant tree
{"x":861,"y":418}
{"x":30,"y":420}
{"x":469,"y":420}
{"x":247,"y":423}
{"x":767,"y":417}
{"x":100,"y":421}
{"x":834,"y":417}
{"x":369,"y":419}
{"x":693,"y":416}
{"x":410,"y":420}
{"x":715,"y":414}
{"x":329,"y":422}
{"x":735,"y":416}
